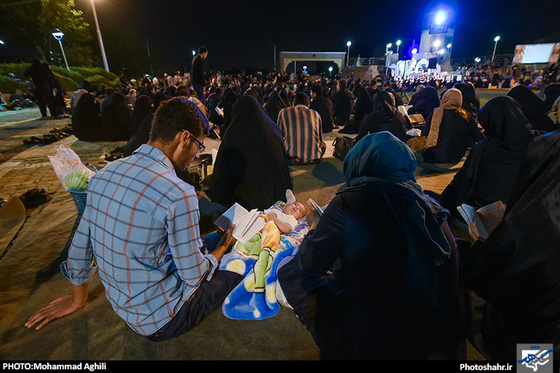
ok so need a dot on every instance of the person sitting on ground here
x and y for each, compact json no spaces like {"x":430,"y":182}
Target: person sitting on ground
{"x":376,"y":273}
{"x":19,"y":100}
{"x":492,"y":164}
{"x":84,"y":87}
{"x":321,"y":104}
{"x":452,"y":130}
{"x":116,"y":116}
{"x":425,"y":104}
{"x":86,"y":119}
{"x":416,"y":95}
{"x":251,"y":166}
{"x":471,"y":102}
{"x":362,"y":107}
{"x":302,"y":131}
{"x":384,"y":117}
{"x":533,"y":107}
{"x":343,"y":104}
{"x":273,"y":105}
{"x":142,"y":118}
{"x":130,"y":98}
{"x":515,"y":269}
{"x":170,"y":284}
{"x":551,"y":94}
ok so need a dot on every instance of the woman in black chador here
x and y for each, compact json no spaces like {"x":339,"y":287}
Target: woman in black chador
{"x":452,"y":130}
{"x":492,"y":164}
{"x":251,"y":167}
{"x":86,"y":120}
{"x":384,"y":117}
{"x":142,"y":117}
{"x":533,"y":107}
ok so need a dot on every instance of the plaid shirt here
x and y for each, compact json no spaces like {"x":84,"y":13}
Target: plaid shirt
{"x":141,"y":226}
{"x":302,"y":131}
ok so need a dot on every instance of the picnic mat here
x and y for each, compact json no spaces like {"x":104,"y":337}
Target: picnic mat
{"x":12,"y":217}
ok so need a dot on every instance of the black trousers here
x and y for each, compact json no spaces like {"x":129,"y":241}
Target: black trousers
{"x":208,"y":297}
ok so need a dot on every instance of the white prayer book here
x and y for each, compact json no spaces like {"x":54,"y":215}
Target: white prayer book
{"x":247,"y":223}
{"x":482,"y":221}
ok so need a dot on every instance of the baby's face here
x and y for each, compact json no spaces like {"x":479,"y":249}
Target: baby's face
{"x":296,"y":209}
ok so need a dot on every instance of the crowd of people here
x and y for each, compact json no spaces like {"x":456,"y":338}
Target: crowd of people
{"x":379,"y":275}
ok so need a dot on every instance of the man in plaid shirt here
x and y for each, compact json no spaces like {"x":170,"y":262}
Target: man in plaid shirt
{"x":140,"y":228}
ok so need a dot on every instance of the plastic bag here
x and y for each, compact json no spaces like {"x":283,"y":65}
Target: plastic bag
{"x":66,"y":161}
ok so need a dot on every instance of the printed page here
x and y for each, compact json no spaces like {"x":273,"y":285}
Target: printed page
{"x":473,"y":220}
{"x":234,"y":215}
{"x":491,"y":215}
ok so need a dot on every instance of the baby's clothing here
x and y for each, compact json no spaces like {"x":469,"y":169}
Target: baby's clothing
{"x":283,"y":217}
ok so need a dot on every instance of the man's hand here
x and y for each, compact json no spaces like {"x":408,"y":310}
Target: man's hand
{"x":226,"y":241}
{"x":60,"y":307}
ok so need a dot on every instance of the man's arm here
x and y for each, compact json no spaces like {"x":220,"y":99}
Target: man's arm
{"x":60,"y":307}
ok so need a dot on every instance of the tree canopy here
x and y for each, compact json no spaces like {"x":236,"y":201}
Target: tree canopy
{"x":26,"y":27}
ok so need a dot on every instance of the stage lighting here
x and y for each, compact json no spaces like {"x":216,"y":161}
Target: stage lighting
{"x":440,"y":17}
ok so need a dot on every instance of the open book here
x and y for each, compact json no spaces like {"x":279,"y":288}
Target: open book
{"x":483,"y":221}
{"x":247,"y":223}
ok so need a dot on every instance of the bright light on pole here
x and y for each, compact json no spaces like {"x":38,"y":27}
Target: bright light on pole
{"x":495,"y":45}
{"x":387,"y":46}
{"x":58,"y":35}
{"x":105,"y":64}
{"x":440,"y":17}
{"x":398,"y":45}
{"x":348,"y":44}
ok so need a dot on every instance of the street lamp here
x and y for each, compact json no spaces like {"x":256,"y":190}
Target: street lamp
{"x":398,"y":45}
{"x":495,"y":45}
{"x":58,"y":35}
{"x":389,"y":45}
{"x":105,"y":64}
{"x":348,"y":44}
{"x":477,"y":60}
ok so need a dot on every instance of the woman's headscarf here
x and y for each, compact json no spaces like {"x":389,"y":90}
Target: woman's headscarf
{"x":452,"y":100}
{"x":551,"y":93}
{"x":86,"y":119}
{"x":533,"y":107}
{"x":504,"y":122}
{"x":274,"y":104}
{"x":384,"y":108}
{"x":382,"y":161}
{"x":251,"y":167}
{"x":142,"y":117}
{"x":428,"y":100}
{"x":471,"y":102}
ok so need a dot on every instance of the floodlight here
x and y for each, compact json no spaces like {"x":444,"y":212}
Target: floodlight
{"x":440,"y":17}
{"x":57,"y":34}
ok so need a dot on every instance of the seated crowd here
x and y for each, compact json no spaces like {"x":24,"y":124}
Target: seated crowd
{"x":380,"y":274}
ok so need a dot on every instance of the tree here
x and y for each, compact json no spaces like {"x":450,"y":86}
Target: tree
{"x":27,"y":26}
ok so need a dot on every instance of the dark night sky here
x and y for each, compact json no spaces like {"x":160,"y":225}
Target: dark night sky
{"x":240,"y":33}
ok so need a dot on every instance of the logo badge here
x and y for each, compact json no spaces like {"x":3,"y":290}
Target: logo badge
{"x":532,"y":358}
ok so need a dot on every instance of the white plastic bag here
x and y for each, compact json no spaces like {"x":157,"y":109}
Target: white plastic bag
{"x":66,"y":160}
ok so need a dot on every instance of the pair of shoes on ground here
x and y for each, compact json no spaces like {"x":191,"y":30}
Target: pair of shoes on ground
{"x":34,"y":197}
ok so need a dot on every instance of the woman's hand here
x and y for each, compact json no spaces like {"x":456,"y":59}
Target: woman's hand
{"x":312,"y":216}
